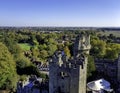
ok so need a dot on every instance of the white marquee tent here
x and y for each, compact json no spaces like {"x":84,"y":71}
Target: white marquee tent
{"x":99,"y":86}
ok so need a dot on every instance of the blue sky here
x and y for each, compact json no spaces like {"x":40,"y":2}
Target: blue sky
{"x":100,"y":13}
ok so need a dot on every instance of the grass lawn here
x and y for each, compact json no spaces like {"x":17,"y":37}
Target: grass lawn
{"x":107,"y":33}
{"x":25,"y":46}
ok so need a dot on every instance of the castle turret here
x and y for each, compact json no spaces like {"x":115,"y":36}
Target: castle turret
{"x":69,"y":75}
{"x":82,"y":44}
{"x":81,"y":50}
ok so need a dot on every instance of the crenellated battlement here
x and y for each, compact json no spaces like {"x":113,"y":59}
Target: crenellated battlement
{"x":62,"y":61}
{"x":82,"y":44}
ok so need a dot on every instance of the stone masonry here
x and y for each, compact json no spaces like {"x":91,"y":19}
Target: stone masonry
{"x":69,"y":75}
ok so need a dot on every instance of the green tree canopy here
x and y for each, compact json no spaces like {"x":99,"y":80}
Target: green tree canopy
{"x":43,"y":54}
{"x":67,"y":51}
{"x":98,"y":48}
{"x":51,"y":49}
{"x":8,"y":76}
{"x":91,"y":66}
{"x":112,"y":51}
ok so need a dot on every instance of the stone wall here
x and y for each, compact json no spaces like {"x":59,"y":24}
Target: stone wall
{"x":118,"y":69}
{"x":69,"y":75}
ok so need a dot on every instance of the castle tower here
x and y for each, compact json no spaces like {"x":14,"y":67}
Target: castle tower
{"x":82,"y":44}
{"x":81,"y":50}
{"x":69,"y":76}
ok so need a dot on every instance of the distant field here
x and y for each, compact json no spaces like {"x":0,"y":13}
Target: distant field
{"x":115,"y":33}
{"x":25,"y":46}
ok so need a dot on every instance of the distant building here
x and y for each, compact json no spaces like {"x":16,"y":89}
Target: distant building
{"x":110,"y":68}
{"x":32,"y":85}
{"x":69,"y":75}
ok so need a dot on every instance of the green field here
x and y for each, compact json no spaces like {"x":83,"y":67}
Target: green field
{"x":25,"y":46}
{"x":107,"y":33}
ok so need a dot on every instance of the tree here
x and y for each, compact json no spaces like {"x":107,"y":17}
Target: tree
{"x":8,"y":76}
{"x":35,"y":52}
{"x":67,"y":51}
{"x":91,"y":66}
{"x":31,"y":69}
{"x":91,"y":70}
{"x":98,"y":48}
{"x":43,"y":54}
{"x":111,"y":36}
{"x":112,"y":51}
{"x":21,"y":63}
{"x":40,"y":38}
{"x":42,"y":47}
{"x":51,"y":49}
{"x":60,"y":46}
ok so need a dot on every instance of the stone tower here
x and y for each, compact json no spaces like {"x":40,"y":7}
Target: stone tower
{"x":69,"y":75}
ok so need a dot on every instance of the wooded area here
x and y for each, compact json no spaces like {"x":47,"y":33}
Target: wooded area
{"x":19,"y":48}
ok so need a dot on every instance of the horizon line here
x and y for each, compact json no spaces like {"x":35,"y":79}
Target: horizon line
{"x":69,"y":26}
